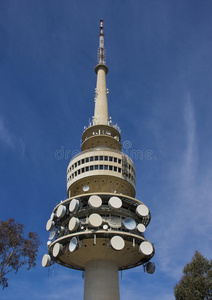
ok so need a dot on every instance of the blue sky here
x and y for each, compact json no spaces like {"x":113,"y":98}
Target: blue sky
{"x":160,"y":82}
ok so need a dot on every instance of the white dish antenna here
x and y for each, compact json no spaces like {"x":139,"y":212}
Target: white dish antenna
{"x":95,"y":201}
{"x":73,"y":224}
{"x":74,"y":205}
{"x":117,"y":242}
{"x":105,"y":227}
{"x":73,"y":244}
{"x":95,"y":220}
{"x":114,"y":222}
{"x":52,"y":234}
{"x":46,"y":260}
{"x":146,"y":248}
{"x":141,"y":228}
{"x":86,"y":188}
{"x":115,"y":202}
{"x":142,"y":210}
{"x":50,"y":225}
{"x":57,"y":249}
{"x":61,"y":211}
{"x":129,"y":223}
{"x":53,"y":216}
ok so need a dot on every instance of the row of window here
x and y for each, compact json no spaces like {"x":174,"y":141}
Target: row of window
{"x":99,"y":167}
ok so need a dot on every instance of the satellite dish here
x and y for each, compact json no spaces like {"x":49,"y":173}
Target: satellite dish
{"x":52,"y":234}
{"x":94,"y":201}
{"x":129,"y":223}
{"x":105,"y":227}
{"x":48,"y":243}
{"x":73,"y":244}
{"x":86,"y":188}
{"x":114,"y":222}
{"x":142,"y":210}
{"x":150,"y":267}
{"x":53,"y":216}
{"x":74,"y":205}
{"x":95,"y":220}
{"x":117,"y":242}
{"x":115,"y":202}
{"x":141,"y":228}
{"x":57,"y":249}
{"x":61,"y":211}
{"x":73,"y":224}
{"x":50,"y":225}
{"x":146,"y":248}
{"x":46,"y":260}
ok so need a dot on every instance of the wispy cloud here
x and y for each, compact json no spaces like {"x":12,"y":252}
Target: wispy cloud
{"x":183,"y":225}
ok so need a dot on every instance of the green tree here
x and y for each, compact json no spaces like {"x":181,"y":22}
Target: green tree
{"x":15,"y":250}
{"x":196,"y":283}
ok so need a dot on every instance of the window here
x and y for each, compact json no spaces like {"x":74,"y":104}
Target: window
{"x":78,"y":172}
{"x":110,"y":168}
{"x":96,"y":157}
{"x":83,"y":170}
{"x":106,"y":158}
{"x":91,"y":168}
{"x":87,"y":169}
{"x":119,"y":170}
{"x":87,"y":159}
{"x":115,"y":159}
{"x":101,"y":167}
{"x":91,"y":158}
{"x":78,"y":162}
{"x":101,"y":157}
{"x":83,"y":161}
{"x":115,"y":169}
{"x":110,"y":158}
{"x":75,"y":165}
{"x":75,"y":173}
{"x":96,"y":167}
{"x":119,"y":161}
{"x":105,"y":167}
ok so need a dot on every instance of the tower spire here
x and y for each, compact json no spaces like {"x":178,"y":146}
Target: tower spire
{"x":101,"y":106}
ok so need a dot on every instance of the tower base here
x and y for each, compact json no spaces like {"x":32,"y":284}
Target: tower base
{"x":101,"y":280}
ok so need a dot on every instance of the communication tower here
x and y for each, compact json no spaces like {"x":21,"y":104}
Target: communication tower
{"x":100,"y":227}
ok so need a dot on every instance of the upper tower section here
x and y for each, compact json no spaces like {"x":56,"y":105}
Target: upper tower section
{"x":101,"y":132}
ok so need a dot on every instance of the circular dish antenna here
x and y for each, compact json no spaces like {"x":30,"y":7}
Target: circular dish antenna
{"x":73,"y":244}
{"x":48,"y":243}
{"x":86,"y":188}
{"x":114,"y":222}
{"x":105,"y":227}
{"x":57,"y":249}
{"x":146,"y":248}
{"x":117,"y":242}
{"x":94,"y":201}
{"x":142,"y":210}
{"x":150,"y":267}
{"x":129,"y":223}
{"x":115,"y":202}
{"x":53,"y":216}
{"x":95,"y":220}
{"x":52,"y":234}
{"x":141,"y":228}
{"x":61,"y":211}
{"x":74,"y":205}
{"x":50,"y":225}
{"x":73,"y":224}
{"x":46,"y":260}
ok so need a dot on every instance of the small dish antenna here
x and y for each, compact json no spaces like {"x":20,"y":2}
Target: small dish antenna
{"x":129,"y":223}
{"x":46,"y":260}
{"x":95,"y":220}
{"x":74,"y":205}
{"x":142,"y":210}
{"x":86,"y":188}
{"x":141,"y":228}
{"x":52,"y":234}
{"x":117,"y":242}
{"x":73,"y":244}
{"x":146,"y":248}
{"x":94,"y":201}
{"x":61,"y":211}
{"x":115,"y":202}
{"x":57,"y":249}
{"x":73,"y":224}
{"x":50,"y":225}
{"x":149,"y":267}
